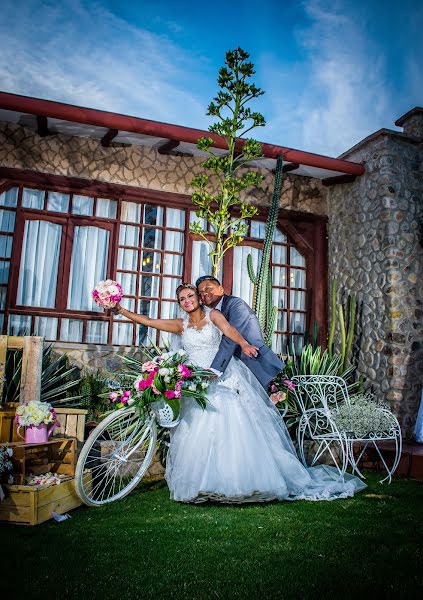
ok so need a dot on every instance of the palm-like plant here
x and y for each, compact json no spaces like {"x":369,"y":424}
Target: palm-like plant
{"x":58,"y":378}
{"x":313,"y":361}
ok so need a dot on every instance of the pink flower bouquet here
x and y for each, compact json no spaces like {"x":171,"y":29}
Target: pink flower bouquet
{"x":107,"y":293}
{"x":168,"y":377}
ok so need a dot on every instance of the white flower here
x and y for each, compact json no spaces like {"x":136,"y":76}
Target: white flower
{"x":166,"y":379}
{"x":181,"y":352}
{"x":192,"y":387}
{"x":204,"y":385}
{"x":34,"y":413}
{"x":131,"y":401}
{"x":164,"y":371}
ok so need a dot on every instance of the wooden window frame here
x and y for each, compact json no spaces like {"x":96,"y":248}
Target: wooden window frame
{"x":305,"y":231}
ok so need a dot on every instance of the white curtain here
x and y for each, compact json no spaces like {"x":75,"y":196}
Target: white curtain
{"x":97,"y":332}
{"x":106,"y":208}
{"x":88,"y":266}
{"x":39,"y":264}
{"x":242,"y":285}
{"x":201,"y":262}
{"x":71,"y":330}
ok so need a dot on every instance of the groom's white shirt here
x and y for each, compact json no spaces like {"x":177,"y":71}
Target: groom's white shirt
{"x":218,"y":307}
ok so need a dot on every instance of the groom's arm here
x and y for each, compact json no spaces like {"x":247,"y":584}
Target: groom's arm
{"x":227,"y":347}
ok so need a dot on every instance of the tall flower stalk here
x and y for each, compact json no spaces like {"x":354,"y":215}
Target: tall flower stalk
{"x":234,"y":120}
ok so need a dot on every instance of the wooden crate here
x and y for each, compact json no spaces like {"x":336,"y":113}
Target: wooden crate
{"x":56,"y":455}
{"x":8,"y":432}
{"x":31,"y":505}
{"x":72,"y":424}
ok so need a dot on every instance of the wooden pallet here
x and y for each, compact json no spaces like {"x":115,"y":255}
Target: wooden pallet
{"x":31,"y":505}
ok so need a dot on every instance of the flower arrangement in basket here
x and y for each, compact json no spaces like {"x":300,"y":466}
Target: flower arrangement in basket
{"x":35,"y":417}
{"x":107,"y":293}
{"x":162,"y":383}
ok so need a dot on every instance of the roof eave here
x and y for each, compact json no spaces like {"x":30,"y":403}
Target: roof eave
{"x":100,"y":118}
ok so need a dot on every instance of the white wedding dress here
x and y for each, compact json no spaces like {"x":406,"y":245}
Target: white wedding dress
{"x":238,"y":449}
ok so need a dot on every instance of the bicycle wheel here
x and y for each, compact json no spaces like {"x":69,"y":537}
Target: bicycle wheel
{"x":115,"y":457}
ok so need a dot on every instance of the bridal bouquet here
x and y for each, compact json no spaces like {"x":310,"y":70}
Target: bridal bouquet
{"x":107,"y":293}
{"x":167,"y":377}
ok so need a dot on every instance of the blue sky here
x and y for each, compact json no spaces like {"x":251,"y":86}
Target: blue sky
{"x":333,"y":71}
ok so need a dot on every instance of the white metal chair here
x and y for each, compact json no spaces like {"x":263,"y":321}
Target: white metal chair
{"x":319,"y":398}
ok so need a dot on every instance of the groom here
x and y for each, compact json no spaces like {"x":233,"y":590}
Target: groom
{"x":266,"y":365}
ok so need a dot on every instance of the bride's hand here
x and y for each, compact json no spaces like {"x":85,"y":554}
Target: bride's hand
{"x":249,"y":350}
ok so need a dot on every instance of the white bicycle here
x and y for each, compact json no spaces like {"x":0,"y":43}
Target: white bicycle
{"x":117,"y":454}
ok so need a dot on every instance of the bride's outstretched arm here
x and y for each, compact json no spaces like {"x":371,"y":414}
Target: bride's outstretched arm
{"x":169,"y":325}
{"x":232,"y":333}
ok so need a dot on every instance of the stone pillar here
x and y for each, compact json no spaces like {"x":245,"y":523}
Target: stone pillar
{"x":376,"y":251}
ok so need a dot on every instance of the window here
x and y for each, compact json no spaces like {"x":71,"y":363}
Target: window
{"x":61,"y":243}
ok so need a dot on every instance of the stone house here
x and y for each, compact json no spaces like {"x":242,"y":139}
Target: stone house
{"x":86,"y":194}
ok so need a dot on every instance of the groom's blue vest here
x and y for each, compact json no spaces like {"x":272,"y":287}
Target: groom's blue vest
{"x":267,"y":364}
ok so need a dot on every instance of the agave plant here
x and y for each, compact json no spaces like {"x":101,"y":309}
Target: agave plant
{"x":312,"y":361}
{"x":58,"y":378}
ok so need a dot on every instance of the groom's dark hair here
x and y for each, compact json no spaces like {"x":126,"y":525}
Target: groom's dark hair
{"x":206,"y":278}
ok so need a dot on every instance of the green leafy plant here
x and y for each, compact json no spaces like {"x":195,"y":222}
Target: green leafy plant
{"x":346,"y":329}
{"x":313,"y":361}
{"x":262,"y":296}
{"x":234,"y":120}
{"x":59,"y":380}
{"x":94,"y":391}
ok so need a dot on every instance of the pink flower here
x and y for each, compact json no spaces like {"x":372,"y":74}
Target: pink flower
{"x":178,"y":385}
{"x":274,"y":388}
{"x":127,"y":393}
{"x":177,"y":394}
{"x":113,"y":396}
{"x":289,"y":384}
{"x":184,"y":371}
{"x":155,"y":390}
{"x":124,"y":400}
{"x":170,"y":394}
{"x":145,"y":383}
{"x":148,"y":366}
{"x":278,"y":397}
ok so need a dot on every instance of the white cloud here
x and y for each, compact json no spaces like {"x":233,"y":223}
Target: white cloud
{"x":81,"y":53}
{"x":347,"y":95}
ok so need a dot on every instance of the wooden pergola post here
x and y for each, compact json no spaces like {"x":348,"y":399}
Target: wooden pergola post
{"x":32,"y":358}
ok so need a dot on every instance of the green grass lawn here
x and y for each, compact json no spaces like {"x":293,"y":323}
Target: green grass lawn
{"x":147,"y":546}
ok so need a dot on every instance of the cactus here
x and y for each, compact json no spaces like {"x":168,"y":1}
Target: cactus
{"x":333,"y":317}
{"x":346,"y":331}
{"x":262,"y":294}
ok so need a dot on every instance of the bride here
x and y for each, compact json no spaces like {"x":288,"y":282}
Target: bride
{"x":238,"y":449}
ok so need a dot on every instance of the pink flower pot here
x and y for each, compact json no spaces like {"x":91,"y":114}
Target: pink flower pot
{"x":38,"y":434}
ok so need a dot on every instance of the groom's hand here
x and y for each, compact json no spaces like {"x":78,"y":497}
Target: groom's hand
{"x":250,"y":351}
{"x":212,"y":374}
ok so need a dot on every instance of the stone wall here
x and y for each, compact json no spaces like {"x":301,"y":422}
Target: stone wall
{"x":376,"y":251}
{"x":86,"y":158}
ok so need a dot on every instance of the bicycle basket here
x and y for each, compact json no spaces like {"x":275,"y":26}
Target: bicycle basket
{"x":164,"y":414}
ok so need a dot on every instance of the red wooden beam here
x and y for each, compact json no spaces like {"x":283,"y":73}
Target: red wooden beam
{"x":100,"y":118}
{"x":339,"y":179}
{"x":42,"y":126}
{"x":167,"y":147}
{"x":109,"y":137}
{"x":290,"y":167}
